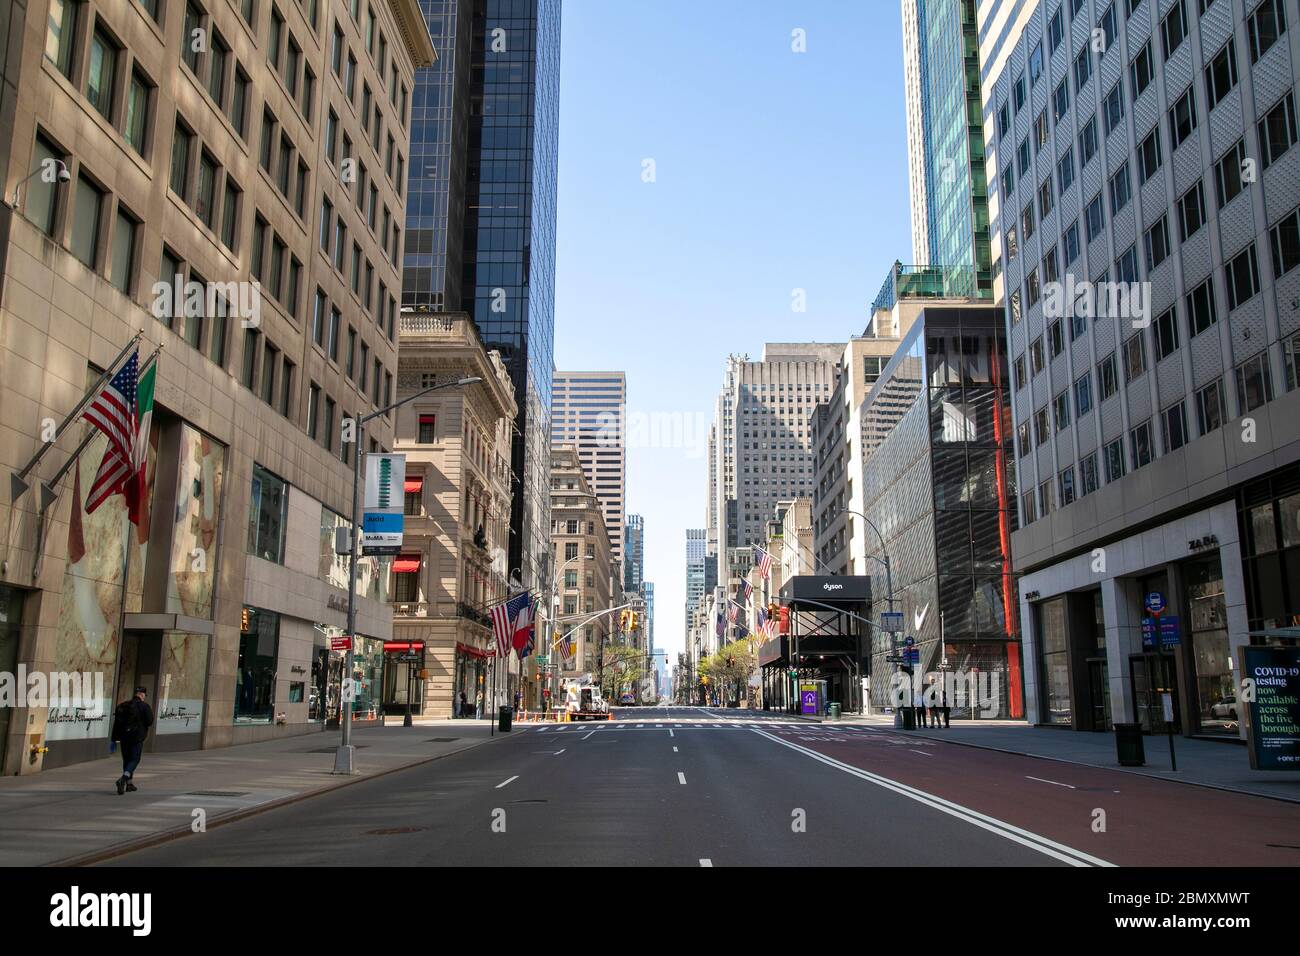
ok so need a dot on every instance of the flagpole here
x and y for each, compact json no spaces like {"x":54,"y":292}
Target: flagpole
{"x":126,"y":544}
{"x":17,"y":482}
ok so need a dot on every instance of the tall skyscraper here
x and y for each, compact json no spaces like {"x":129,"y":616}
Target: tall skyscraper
{"x":945,"y":143}
{"x":634,"y":553}
{"x":588,"y":412}
{"x":1150,"y":247}
{"x":697,"y":544}
{"x":220,"y":172}
{"x":481,"y":214}
{"x":763,"y":449}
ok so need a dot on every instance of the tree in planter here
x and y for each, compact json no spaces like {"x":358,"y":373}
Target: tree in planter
{"x":624,"y":668}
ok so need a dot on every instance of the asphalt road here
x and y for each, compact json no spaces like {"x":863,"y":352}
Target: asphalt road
{"x":689,"y":787}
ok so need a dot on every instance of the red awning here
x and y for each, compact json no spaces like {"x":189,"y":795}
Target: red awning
{"x":471,"y":651}
{"x":406,"y":564}
{"x":412,"y":486}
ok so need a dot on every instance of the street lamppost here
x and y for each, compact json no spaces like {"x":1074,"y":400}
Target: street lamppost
{"x":343,"y":757}
{"x":889,"y":587}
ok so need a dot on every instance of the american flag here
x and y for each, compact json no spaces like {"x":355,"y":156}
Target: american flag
{"x":731,"y":612}
{"x":766,"y":623}
{"x":721,"y":627}
{"x":763,"y":561}
{"x":113,"y":412}
{"x":742,"y":591}
{"x":505,"y":618}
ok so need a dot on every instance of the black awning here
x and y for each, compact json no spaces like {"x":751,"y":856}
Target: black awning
{"x":809,"y":592}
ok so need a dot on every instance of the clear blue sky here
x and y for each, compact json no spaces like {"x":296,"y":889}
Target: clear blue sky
{"x":774,"y":171}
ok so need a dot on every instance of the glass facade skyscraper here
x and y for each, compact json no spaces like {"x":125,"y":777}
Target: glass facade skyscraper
{"x":481,"y":213}
{"x":950,"y":220}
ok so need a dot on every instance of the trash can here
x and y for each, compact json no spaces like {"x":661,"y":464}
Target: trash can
{"x":834,"y":710}
{"x":504,"y":717}
{"x":909,"y":718}
{"x":1128,"y":744}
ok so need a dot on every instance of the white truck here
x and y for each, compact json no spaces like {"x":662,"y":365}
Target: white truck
{"x":584,"y":702}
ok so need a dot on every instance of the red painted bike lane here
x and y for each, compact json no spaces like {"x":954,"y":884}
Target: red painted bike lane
{"x":1147,"y":821}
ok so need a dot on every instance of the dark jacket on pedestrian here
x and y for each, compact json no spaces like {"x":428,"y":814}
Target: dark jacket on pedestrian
{"x":131,"y":721}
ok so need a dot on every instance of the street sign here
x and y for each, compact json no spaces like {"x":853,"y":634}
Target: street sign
{"x":1155,"y":602}
{"x":891,"y":621}
{"x":543,"y":660}
{"x":343,"y":643}
{"x":895,"y":659}
{"x":1167,"y":628}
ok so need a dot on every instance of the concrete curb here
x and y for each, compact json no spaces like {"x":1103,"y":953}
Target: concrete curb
{"x":175,"y":833}
{"x":1099,"y":766}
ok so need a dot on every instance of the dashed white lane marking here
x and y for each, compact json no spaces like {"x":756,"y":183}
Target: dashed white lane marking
{"x":706,"y":862}
{"x":674,"y":750}
{"x":1015,"y":834}
{"x":560,"y":751}
{"x":921,"y":752}
{"x":589,"y":733}
{"x":681,"y":777}
{"x":671,"y":734}
{"x":504,"y":782}
{"x":1053,"y":782}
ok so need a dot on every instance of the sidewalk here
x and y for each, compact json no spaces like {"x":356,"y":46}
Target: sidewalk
{"x":1210,"y":763}
{"x":74,"y":814}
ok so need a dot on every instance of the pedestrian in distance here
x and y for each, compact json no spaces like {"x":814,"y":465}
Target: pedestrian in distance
{"x":131,"y":723}
{"x":478,"y":706}
{"x":464,"y":705}
{"x":946,"y":709}
{"x":918,"y":706}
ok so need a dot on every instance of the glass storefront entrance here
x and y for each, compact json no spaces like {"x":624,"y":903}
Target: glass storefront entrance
{"x":1055,"y":645}
{"x":259,"y":645}
{"x":1216,"y":702}
{"x":1152,"y":675}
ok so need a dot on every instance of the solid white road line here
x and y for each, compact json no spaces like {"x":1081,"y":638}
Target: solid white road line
{"x":705,"y":862}
{"x":1052,"y":782}
{"x":681,"y":777}
{"x":1003,"y":829}
{"x":504,"y":782}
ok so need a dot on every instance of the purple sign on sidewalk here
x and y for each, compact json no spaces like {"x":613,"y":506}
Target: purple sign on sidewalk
{"x":808,"y":700}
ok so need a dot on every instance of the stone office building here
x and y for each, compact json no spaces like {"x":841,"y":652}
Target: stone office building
{"x":270,"y":156}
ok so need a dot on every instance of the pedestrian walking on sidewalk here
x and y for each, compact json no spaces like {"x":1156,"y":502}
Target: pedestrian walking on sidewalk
{"x":464,"y":705}
{"x":131,"y":723}
{"x":945,"y":709}
{"x":478,"y":706}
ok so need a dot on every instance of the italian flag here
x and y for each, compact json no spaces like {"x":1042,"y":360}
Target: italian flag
{"x":134,"y":489}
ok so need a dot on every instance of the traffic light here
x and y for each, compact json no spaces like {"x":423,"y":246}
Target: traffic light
{"x":633,"y":625}
{"x":783,"y":615}
{"x":622,"y":620}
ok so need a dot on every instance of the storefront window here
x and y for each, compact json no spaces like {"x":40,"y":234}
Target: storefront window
{"x":11,"y":614}
{"x":333,"y":566}
{"x":259,"y":645}
{"x":367,"y":675}
{"x":193,"y":566}
{"x":267,"y":512}
{"x":1208,"y":629}
{"x":1056,"y":661}
{"x":182,"y":683}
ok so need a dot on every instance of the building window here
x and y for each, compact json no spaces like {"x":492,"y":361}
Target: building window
{"x":267,"y":515}
{"x":1042,"y":430}
{"x":1036,"y":355}
{"x":1156,"y":242}
{"x":1149,"y":156}
{"x":1112,"y":107}
{"x":1264,"y":27}
{"x":1221,"y":74}
{"x":1135,"y":358}
{"x":122,"y":274}
{"x":1114,"y":454}
{"x":1088,"y":472}
{"x":1227,"y":173}
{"x":1254,"y":383}
{"x":1182,"y":117}
{"x":1191,"y":212}
{"x":100,"y":73}
{"x":1173,"y":425}
{"x":1242,"y":276}
{"x":1094,"y":218}
{"x":1121,"y":189}
{"x":1083,"y":395}
{"x":1209,"y":408}
{"x":1173,"y":29}
{"x":60,"y":33}
{"x":86,"y":210}
{"x":1164,"y":331}
{"x":1082,"y":68}
{"x":1141,"y":71}
{"x":1107,"y":376}
{"x":1277,"y":131}
{"x":1067,"y":486}
{"x":427,"y":429}
{"x":191,"y":44}
{"x":1284,"y":241}
{"x":1045,"y":502}
{"x":136,"y":128}
{"x":182,"y":146}
{"x":1140,"y":440}
{"x":1061,"y":410}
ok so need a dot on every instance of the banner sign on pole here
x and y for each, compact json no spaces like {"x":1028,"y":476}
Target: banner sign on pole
{"x":381,"y":516}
